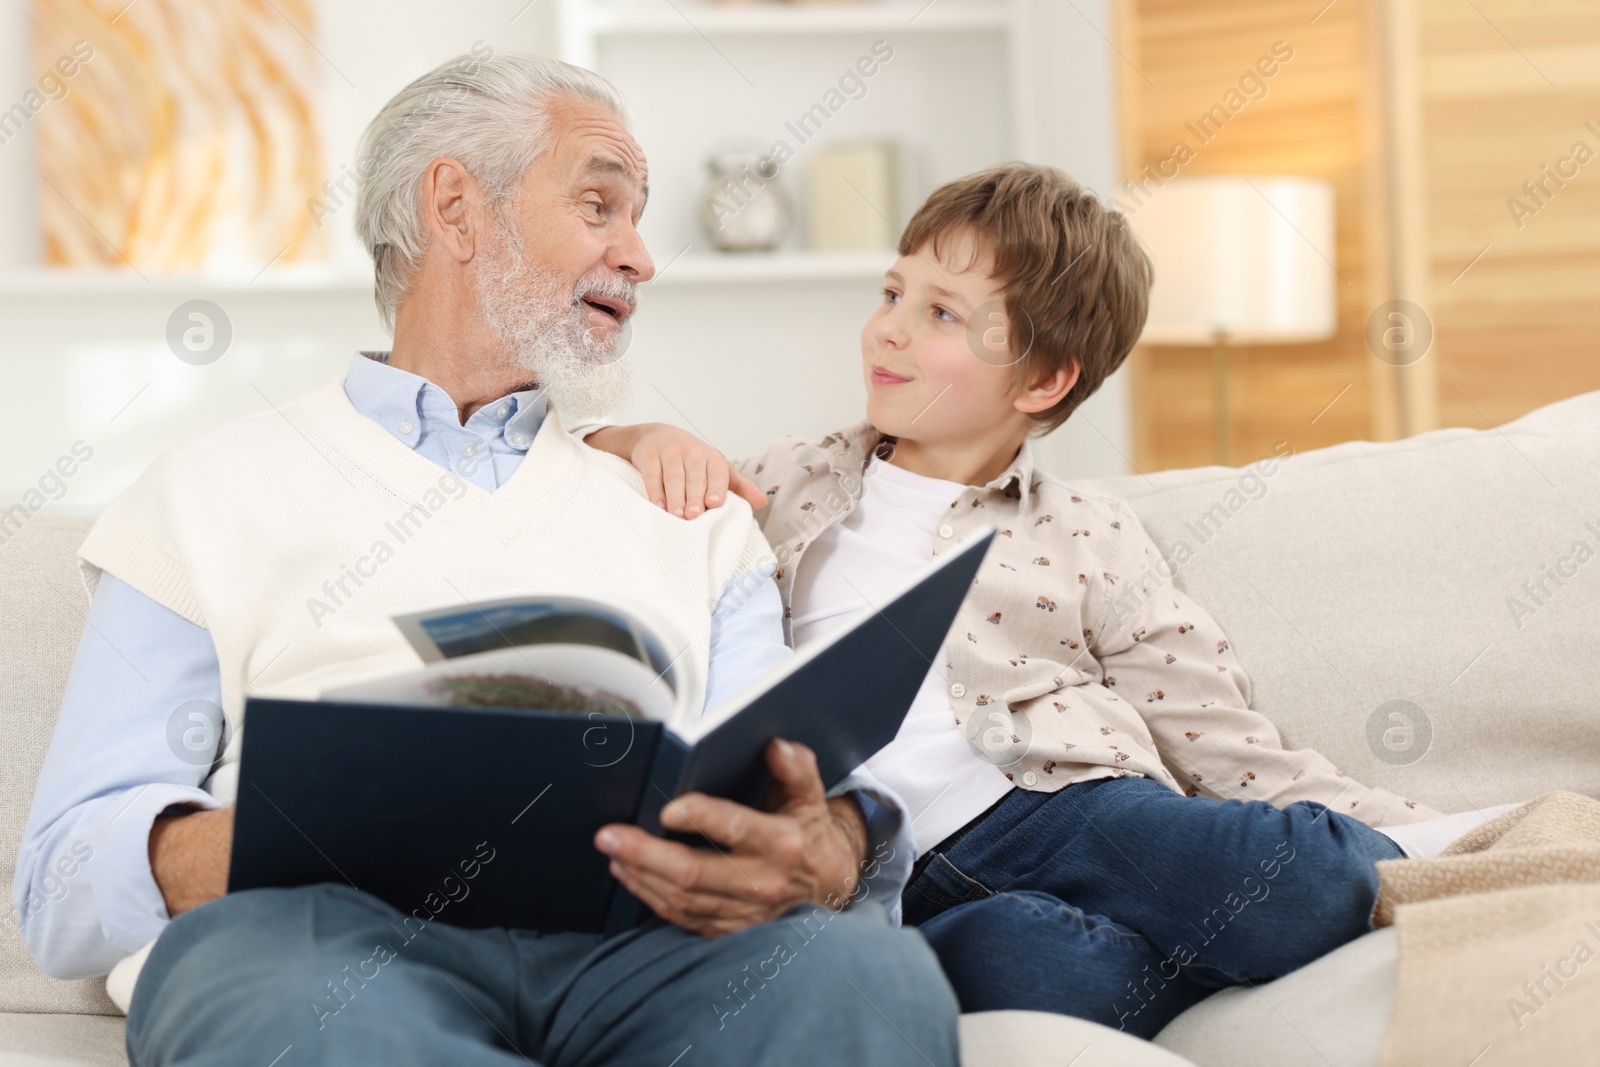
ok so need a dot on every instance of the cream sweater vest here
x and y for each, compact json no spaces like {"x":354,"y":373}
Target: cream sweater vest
{"x":294,"y":535}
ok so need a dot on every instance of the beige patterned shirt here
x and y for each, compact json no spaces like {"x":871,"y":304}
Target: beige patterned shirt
{"x":1073,"y":658}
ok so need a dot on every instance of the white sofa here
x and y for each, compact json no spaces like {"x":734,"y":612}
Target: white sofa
{"x":1345,"y":577}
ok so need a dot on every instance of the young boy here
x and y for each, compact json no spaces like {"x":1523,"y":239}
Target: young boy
{"x":1105,"y":828}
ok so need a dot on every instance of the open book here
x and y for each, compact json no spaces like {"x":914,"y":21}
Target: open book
{"x":469,"y":790}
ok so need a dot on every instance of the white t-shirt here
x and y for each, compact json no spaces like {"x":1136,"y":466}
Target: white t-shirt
{"x":857,"y":561}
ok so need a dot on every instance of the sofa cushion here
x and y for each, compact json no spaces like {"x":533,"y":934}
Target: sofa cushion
{"x":1333,"y":1012}
{"x":61,"y":1041}
{"x":1037,"y":1039}
{"x":42,"y":607}
{"x":1363,"y":574}
{"x":988,"y":1039}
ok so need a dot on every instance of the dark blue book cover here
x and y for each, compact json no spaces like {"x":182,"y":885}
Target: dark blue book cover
{"x":486,"y":816}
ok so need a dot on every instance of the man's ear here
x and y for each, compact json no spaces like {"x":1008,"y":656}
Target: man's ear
{"x":452,"y":208}
{"x":1048,"y":389}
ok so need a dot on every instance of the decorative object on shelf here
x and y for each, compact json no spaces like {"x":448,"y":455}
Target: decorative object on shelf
{"x":854,"y":199}
{"x":179,"y":136}
{"x":746,"y":208}
{"x":1238,"y":260}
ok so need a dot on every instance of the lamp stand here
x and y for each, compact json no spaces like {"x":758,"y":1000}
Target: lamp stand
{"x":1221,"y":447}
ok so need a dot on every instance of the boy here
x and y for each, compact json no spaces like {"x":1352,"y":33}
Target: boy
{"x":1082,"y":699}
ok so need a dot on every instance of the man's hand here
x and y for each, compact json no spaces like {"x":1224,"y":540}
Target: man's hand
{"x":807,"y":848}
{"x":682,"y":473}
{"x":189,"y":856}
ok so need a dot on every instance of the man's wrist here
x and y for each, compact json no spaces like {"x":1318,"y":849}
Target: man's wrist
{"x":189,"y":849}
{"x":851,"y":823}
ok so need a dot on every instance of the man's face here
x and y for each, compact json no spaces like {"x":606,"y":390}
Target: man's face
{"x":557,"y":275}
{"x":937,"y":355}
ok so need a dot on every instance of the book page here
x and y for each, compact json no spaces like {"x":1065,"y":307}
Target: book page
{"x":581,"y":679}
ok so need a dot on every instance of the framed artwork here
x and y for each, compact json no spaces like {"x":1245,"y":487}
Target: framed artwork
{"x":176,"y":135}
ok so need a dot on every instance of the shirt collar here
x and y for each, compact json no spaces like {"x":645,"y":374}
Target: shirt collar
{"x":400,"y":402}
{"x":1020,"y":474}
{"x":529,"y":407}
{"x":861,"y":439}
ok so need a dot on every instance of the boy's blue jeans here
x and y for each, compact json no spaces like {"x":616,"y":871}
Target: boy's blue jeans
{"x":1123,"y":902}
{"x":328,"y":975}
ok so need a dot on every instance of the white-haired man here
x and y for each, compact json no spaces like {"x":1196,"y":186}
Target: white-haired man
{"x":499,"y":201}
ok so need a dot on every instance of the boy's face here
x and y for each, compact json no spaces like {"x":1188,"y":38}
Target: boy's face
{"x":938,"y":354}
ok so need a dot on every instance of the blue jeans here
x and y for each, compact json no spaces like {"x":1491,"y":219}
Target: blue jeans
{"x":1124,"y":902}
{"x":339,"y":977}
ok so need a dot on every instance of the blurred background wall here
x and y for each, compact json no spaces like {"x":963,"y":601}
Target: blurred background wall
{"x":737,"y":347}
{"x":1431,"y":120}
{"x":1458,"y":138}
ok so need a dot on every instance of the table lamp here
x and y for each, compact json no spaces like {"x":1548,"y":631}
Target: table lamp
{"x":1238,"y":260}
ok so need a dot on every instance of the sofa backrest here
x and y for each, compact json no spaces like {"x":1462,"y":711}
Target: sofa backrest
{"x":1451,"y":579}
{"x":42,"y":607}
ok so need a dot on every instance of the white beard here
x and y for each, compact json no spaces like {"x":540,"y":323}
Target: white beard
{"x":547,"y":331}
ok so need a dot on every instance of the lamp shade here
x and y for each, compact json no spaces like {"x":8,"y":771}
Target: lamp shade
{"x":1248,"y":257}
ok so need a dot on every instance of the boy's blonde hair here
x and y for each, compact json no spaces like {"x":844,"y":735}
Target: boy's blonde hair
{"x":1076,"y":281}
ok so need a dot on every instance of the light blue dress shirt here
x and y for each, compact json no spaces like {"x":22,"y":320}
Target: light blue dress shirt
{"x":84,"y":896}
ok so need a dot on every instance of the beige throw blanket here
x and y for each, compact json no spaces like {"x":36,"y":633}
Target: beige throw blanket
{"x":1500,"y":942}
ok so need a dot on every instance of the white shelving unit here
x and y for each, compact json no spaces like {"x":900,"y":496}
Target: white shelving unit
{"x":747,"y":67}
{"x":752,"y":268}
{"x":768,"y":267}
{"x":611,"y":19}
{"x":77,"y":284}
{"x":741,"y":346}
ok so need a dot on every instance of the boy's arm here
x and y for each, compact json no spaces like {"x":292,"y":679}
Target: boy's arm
{"x":682,"y":473}
{"x":1158,"y":639}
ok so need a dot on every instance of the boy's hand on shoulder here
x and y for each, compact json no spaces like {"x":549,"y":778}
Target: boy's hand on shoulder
{"x":682,"y":474}
{"x":806,"y":849}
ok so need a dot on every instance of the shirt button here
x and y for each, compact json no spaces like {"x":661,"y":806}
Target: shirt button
{"x":501,"y":410}
{"x":1030,"y":778}
{"x":519,"y":439}
{"x":946,"y":531}
{"x":469,"y":450}
{"x":958,"y":690}
{"x":405,"y":427}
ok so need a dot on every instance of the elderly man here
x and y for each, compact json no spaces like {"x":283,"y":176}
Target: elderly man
{"x":499,"y":202}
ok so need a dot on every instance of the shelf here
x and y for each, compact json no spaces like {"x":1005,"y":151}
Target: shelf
{"x":56,"y":282}
{"x":681,"y":17}
{"x":690,"y":269}
{"x":769,"y":267}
